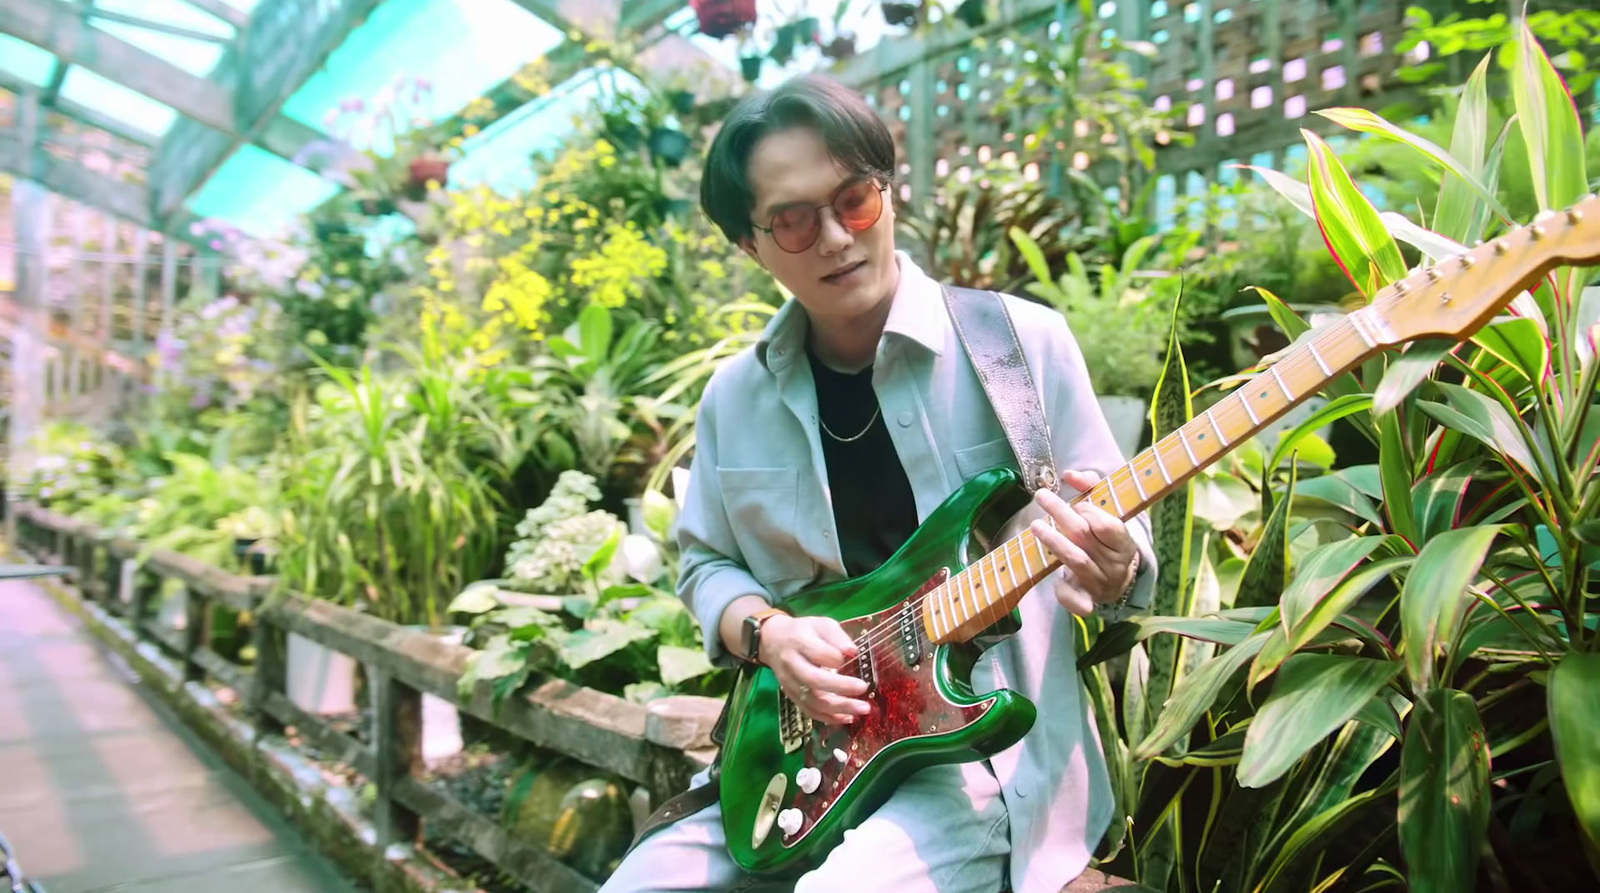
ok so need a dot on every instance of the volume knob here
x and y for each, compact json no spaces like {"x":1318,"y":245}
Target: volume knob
{"x":790,"y":821}
{"x":808,"y":779}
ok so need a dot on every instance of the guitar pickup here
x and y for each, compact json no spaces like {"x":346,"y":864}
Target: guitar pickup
{"x":794,"y":727}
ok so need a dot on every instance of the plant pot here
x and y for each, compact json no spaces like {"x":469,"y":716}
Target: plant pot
{"x":901,"y":13}
{"x":376,"y":207}
{"x":808,"y":30}
{"x":321,"y":680}
{"x":719,"y":18}
{"x":750,"y":67}
{"x":425,"y":170}
{"x":973,"y":13}
{"x":842,"y":46}
{"x":783,"y":45}
{"x":1126,"y":416}
{"x":622,"y":131}
{"x":669,"y":144}
{"x":682,"y":101}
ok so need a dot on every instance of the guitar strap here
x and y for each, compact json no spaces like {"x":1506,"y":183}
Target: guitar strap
{"x":990,"y":338}
{"x":984,"y":326}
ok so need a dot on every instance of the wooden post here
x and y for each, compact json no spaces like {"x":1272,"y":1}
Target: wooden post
{"x":194,"y":633}
{"x":271,"y":674}
{"x":397,"y":722}
{"x":112,"y":574}
{"x":145,"y":587}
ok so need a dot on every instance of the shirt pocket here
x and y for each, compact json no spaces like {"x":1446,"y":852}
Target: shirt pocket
{"x":975,"y":460}
{"x":763,"y":506}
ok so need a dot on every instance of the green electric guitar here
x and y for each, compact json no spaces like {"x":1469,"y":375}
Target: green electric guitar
{"x":790,"y":787}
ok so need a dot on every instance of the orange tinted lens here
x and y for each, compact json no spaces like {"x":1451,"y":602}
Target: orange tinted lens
{"x":795,"y":229}
{"x":859,"y":205}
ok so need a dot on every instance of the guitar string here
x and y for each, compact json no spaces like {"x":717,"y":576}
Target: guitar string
{"x":1336,"y":338}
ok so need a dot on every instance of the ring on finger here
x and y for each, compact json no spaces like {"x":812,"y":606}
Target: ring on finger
{"x":805,"y":691}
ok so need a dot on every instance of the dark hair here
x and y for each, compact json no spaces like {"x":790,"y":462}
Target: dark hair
{"x":855,"y":136}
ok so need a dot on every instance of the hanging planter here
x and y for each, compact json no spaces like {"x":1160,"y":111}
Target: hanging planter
{"x":719,"y":18}
{"x":422,"y":171}
{"x":750,"y":67}
{"x":682,"y":101}
{"x":783,"y":45}
{"x":376,"y":207}
{"x":842,"y":46}
{"x":808,"y":30}
{"x":900,"y":13}
{"x":669,"y":144}
{"x":623,"y":132}
{"x":973,"y":13}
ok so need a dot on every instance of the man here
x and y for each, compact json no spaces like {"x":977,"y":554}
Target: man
{"x":818,"y":453}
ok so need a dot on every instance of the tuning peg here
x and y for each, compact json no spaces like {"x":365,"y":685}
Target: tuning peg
{"x":1535,"y":233}
{"x":1574,"y":215}
{"x":1466,"y":262}
{"x":1433,"y":274}
{"x":1500,"y":246}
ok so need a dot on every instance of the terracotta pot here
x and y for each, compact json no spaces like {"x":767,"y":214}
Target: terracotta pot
{"x":719,"y":18}
{"x":422,"y":171}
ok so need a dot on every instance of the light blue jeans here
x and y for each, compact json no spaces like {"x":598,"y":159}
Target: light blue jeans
{"x":944,"y":831}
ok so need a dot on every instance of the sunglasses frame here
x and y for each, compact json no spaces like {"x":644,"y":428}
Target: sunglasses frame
{"x":881,"y":184}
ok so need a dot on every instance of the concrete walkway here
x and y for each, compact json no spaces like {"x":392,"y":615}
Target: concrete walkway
{"x":101,"y":789}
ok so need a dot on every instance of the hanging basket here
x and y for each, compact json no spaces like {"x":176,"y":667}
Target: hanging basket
{"x":670,"y":145}
{"x":900,"y":13}
{"x":973,"y":13}
{"x":750,"y":67}
{"x":424,"y":170}
{"x":720,"y":18}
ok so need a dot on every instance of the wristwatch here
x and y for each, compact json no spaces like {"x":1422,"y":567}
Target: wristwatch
{"x":752,"y":633}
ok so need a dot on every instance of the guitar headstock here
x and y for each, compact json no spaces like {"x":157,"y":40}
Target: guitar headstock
{"x":1456,"y":296}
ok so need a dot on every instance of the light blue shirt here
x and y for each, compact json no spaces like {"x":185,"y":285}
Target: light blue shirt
{"x":757,"y":519}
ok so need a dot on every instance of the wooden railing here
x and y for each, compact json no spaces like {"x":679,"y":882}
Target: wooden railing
{"x":658,"y":746}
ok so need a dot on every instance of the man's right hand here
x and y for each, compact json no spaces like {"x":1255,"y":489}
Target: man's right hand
{"x":805,"y":653}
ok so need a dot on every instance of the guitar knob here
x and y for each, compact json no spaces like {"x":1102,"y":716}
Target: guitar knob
{"x":840,"y":755}
{"x":789,"y":821}
{"x":808,"y":779}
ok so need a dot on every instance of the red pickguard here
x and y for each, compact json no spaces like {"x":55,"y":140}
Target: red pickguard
{"x":906,"y":703}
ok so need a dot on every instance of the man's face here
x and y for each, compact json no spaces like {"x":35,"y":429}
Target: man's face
{"x":845,"y":273}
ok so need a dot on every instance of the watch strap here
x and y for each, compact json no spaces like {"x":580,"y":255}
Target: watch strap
{"x":754,"y":623}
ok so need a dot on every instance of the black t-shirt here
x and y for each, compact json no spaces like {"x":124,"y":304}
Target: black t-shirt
{"x":872,"y":502}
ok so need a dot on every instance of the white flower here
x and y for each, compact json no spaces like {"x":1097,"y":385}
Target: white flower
{"x":641,"y":560}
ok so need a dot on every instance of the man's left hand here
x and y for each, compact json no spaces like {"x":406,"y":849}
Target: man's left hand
{"x":1094,"y":547}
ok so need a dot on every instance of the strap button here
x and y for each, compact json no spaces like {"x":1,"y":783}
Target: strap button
{"x":905,"y":419}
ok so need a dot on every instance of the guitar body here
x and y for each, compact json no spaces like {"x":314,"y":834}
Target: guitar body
{"x":924,"y":711}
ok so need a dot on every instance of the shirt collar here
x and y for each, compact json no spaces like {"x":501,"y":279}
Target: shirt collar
{"x":917,"y":314}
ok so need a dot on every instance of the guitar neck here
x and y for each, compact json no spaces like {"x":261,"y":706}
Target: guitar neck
{"x":986,"y":590}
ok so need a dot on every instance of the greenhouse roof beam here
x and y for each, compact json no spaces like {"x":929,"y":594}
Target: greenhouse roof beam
{"x":285,"y":43}
{"x":239,"y":20}
{"x":151,"y":25}
{"x":129,"y":201}
{"x":591,"y":18}
{"x":83,"y":114}
{"x":640,"y":16}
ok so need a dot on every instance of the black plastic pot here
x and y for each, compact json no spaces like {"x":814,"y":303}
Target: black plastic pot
{"x":622,"y":131}
{"x":682,"y":101}
{"x":808,"y":30}
{"x":900,"y":13}
{"x":783,"y":45}
{"x":750,"y":67}
{"x":669,"y":144}
{"x":974,"y":13}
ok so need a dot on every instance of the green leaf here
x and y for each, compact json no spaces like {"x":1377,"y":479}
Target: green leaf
{"x":1455,"y":214}
{"x":1298,"y":194}
{"x":1171,"y":520}
{"x":1394,"y":469}
{"x":679,"y":665}
{"x":1379,"y":714}
{"x":479,"y":598}
{"x":1550,"y":126}
{"x":1444,"y":793}
{"x":1119,"y":638}
{"x":1435,"y":595}
{"x":1194,"y":695}
{"x":659,"y":513}
{"x":601,"y":558}
{"x":1320,"y":572}
{"x":1481,"y":418}
{"x":1350,"y":225}
{"x":1029,"y":249}
{"x":1267,"y":571}
{"x":1438,"y":498}
{"x":1574,"y":710}
{"x":1335,"y":490}
{"x":594,"y":330}
{"x":1363,"y":121}
{"x":602,"y":639}
{"x":1292,"y":324}
{"x":1520,"y":344}
{"x":500,"y":658}
{"x":1408,"y":370}
{"x":1314,"y":695}
{"x":1338,"y":408}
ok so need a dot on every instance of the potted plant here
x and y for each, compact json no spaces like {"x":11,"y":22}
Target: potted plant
{"x":669,"y":144}
{"x":897,"y":13}
{"x":720,"y":18}
{"x":750,"y":67}
{"x":842,"y":46}
{"x":783,"y":44}
{"x":427,"y":171}
{"x":973,"y":13}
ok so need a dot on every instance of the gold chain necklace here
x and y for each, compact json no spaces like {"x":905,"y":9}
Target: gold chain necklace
{"x":870,"y":422}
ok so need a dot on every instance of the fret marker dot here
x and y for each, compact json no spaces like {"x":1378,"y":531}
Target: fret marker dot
{"x":1263,"y":395}
{"x":1201,"y":437}
{"x":1102,"y":502}
{"x":1147,"y":472}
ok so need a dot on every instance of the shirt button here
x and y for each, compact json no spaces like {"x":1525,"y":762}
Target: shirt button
{"x":905,"y":419}
{"x":1021,"y":791}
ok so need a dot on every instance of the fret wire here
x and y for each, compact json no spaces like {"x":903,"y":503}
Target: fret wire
{"x":1322,"y":364}
{"x":1116,"y":501}
{"x":1011,"y":566}
{"x":1249,"y":410}
{"x":995,"y":598}
{"x":1155,"y":450}
{"x":1027,"y":566}
{"x":1217,"y":428}
{"x":1355,"y":322}
{"x":1279,"y":379}
{"x":941,"y":603}
{"x":1183,"y":439}
{"x":972,"y":600}
{"x":1044,"y":557}
{"x":987,"y":598}
{"x":1136,"y":485}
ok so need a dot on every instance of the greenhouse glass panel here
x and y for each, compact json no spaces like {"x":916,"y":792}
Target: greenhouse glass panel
{"x":195,"y":56}
{"x":116,"y":101}
{"x":260,"y":192}
{"x":460,"y":48}
{"x":25,"y":60}
{"x":499,"y":156}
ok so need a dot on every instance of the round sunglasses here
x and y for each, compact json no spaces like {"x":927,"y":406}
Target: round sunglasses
{"x":857,"y":204}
